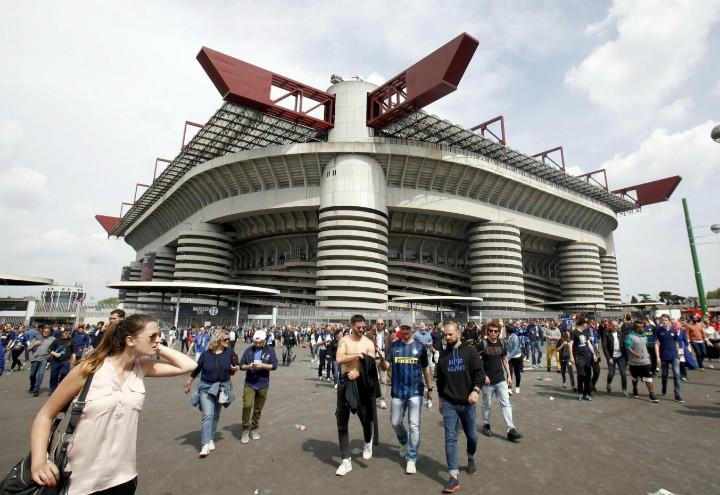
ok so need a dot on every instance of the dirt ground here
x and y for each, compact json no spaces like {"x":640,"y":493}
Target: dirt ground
{"x":613,"y":445}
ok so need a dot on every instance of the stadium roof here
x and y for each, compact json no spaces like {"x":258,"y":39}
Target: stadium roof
{"x":250,"y":119}
{"x":191,"y":287}
{"x":423,"y":127}
{"x":8,"y":279}
{"x":233,"y":128}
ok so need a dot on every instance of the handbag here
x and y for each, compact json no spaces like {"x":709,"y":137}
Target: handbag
{"x":19,"y":481}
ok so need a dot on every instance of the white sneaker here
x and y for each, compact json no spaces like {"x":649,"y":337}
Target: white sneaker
{"x":211,"y":446}
{"x":344,"y":468}
{"x":510,"y":391}
{"x":517,"y":390}
{"x":403,"y":450}
{"x":428,"y":404}
{"x":245,"y":438}
{"x":204,"y":451}
{"x":367,"y":451}
{"x":382,"y":404}
{"x":336,"y":386}
{"x":255,"y":434}
{"x":410,"y":467}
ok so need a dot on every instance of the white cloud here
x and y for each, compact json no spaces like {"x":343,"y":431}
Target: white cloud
{"x":689,"y":153}
{"x":657,"y":47}
{"x":10,"y":136}
{"x":716,"y":89}
{"x":22,"y":188}
{"x":676,"y":111}
{"x":375,"y":78}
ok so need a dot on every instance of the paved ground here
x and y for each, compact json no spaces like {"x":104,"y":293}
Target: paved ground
{"x":610,"y":445}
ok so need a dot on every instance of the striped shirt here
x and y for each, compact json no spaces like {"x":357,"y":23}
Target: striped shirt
{"x":407,"y":361}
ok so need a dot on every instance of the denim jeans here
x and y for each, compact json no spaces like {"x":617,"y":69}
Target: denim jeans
{"x":287,"y":355}
{"x":536,"y":350}
{"x":413,"y":405}
{"x":675,"y":363}
{"x":58,"y":371}
{"x":619,"y":363}
{"x":503,"y":397}
{"x":700,"y":353}
{"x":210,"y":416}
{"x":37,"y":373}
{"x":455,"y":415}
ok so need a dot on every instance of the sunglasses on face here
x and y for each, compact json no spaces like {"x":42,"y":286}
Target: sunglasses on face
{"x":493,"y":331}
{"x":226,"y":339}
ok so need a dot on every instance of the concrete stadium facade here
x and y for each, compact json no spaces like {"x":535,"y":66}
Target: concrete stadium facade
{"x":362,"y":217}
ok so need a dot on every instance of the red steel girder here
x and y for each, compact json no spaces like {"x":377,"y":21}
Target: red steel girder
{"x":590,"y":176}
{"x":249,"y":85}
{"x":433,"y":77}
{"x":106,"y":222}
{"x":650,"y":193}
{"x":484,"y":127}
{"x":123,"y":205}
{"x":158,"y":160}
{"x":545,"y":155}
{"x":136,"y":190}
{"x":188,"y":123}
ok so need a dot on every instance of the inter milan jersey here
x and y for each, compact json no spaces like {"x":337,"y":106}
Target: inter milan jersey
{"x":407,"y":361}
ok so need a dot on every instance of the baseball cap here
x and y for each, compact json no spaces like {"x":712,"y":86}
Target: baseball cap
{"x":259,"y":335}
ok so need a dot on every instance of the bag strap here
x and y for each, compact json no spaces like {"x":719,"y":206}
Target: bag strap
{"x":78,"y":406}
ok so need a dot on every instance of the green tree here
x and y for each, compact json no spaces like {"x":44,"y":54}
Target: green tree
{"x":714,"y":294}
{"x":110,"y":301}
{"x":633,"y":300}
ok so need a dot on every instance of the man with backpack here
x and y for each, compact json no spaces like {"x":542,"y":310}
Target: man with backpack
{"x":497,"y":380}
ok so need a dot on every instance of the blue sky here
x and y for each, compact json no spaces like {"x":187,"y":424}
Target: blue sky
{"x":92,"y":92}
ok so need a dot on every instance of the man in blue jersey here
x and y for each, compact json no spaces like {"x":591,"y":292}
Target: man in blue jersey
{"x":409,"y":361}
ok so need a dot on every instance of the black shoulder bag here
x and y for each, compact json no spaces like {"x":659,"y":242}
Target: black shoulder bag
{"x":19,"y":481}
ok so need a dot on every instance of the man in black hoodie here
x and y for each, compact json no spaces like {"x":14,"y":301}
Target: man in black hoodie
{"x":460,"y":377}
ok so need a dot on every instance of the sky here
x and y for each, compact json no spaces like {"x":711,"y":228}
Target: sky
{"x":92,"y":92}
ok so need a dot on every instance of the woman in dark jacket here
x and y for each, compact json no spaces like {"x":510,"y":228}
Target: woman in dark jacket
{"x":215,"y":367}
{"x":613,"y":346}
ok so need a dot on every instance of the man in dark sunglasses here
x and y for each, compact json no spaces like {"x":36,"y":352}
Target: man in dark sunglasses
{"x":497,"y":380}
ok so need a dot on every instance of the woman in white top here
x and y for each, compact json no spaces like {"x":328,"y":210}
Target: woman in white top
{"x":102,"y":455}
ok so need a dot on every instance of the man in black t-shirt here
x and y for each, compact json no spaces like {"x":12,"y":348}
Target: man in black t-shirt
{"x":289,"y":341}
{"x":582,"y":356}
{"x":62,"y":353}
{"x":497,"y":373}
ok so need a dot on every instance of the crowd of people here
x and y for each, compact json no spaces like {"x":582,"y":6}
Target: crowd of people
{"x":368,"y":363}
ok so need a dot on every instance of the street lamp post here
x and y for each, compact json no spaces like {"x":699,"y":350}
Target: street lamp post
{"x":715,"y":229}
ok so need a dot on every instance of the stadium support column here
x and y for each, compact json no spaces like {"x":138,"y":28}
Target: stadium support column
{"x":580,"y":272}
{"x":610,"y":279}
{"x":158,"y":265}
{"x":352,"y":263}
{"x":131,"y":296}
{"x":496,"y":266}
{"x":204,"y":254}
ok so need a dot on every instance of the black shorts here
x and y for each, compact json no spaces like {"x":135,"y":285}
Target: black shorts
{"x":642,"y":371}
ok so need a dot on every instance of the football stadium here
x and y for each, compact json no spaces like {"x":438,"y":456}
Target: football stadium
{"x":354,"y":198}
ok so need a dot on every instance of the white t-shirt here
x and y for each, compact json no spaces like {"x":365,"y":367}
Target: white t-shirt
{"x":616,"y":346}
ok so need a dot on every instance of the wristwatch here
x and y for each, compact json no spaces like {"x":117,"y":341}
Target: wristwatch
{"x":476,"y":390}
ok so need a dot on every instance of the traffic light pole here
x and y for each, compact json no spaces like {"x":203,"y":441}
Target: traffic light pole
{"x":696,"y":263}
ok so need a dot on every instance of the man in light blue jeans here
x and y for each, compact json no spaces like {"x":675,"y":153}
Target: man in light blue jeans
{"x":409,"y":360}
{"x":497,"y":380}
